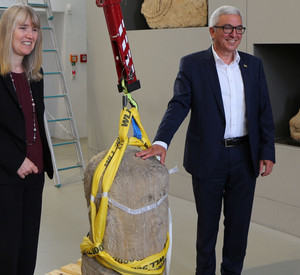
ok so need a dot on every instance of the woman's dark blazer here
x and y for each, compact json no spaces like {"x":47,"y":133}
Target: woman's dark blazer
{"x":12,"y":130}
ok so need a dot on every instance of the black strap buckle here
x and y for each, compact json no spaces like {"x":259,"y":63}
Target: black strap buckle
{"x":227,"y":142}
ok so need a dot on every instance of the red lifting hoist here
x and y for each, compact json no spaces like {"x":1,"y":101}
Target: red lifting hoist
{"x":127,"y":81}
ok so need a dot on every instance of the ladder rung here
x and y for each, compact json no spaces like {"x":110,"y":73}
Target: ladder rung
{"x":46,"y":51}
{"x":51,"y":73}
{"x":70,"y":167}
{"x":59,"y":119}
{"x":64,"y":143}
{"x":54,"y":96}
{"x":36,"y":5}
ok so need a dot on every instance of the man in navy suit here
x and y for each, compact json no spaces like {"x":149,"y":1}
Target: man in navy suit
{"x":229,"y":140}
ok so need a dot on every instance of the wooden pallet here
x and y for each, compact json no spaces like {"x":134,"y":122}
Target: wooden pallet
{"x":70,"y":269}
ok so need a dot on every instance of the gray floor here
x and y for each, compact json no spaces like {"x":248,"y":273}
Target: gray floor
{"x":64,"y":223}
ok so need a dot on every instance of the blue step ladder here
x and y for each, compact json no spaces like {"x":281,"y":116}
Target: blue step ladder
{"x":62,"y":99}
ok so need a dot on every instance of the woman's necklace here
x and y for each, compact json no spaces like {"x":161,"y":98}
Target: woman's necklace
{"x":33,"y":111}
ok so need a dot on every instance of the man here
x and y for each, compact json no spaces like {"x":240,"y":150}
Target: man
{"x":229,"y":141}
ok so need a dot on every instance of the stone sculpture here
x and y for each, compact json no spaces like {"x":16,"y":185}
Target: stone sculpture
{"x":295,"y":127}
{"x":138,"y":183}
{"x":175,"y":13}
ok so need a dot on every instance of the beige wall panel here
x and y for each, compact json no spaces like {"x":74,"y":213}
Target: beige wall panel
{"x":283,"y":184}
{"x":272,"y":21}
{"x":277,"y":196}
{"x":277,"y":215}
{"x":156,"y":56}
{"x":277,"y":202}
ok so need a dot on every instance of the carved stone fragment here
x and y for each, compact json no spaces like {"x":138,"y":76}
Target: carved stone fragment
{"x":138,"y":183}
{"x":295,"y":127}
{"x":175,"y":13}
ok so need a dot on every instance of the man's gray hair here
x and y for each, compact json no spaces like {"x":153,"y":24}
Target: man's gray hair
{"x":214,"y":18}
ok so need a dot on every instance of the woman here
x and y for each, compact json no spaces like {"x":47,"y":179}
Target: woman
{"x":24,"y":151}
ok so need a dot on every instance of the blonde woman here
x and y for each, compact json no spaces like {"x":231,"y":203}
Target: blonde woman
{"x":24,"y":151}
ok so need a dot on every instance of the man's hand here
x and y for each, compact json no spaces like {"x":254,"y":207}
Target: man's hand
{"x":154,"y":150}
{"x":265,"y":167}
{"x":27,"y":168}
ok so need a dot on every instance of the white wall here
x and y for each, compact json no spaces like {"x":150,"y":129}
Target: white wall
{"x":72,"y":38}
{"x":71,"y":28}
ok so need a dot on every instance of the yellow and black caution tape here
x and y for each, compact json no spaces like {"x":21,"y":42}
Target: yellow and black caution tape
{"x":107,"y":170}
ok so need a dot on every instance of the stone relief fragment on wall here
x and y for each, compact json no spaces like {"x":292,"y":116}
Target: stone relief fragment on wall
{"x":175,"y":13}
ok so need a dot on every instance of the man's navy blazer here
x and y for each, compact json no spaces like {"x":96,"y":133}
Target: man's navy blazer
{"x":13,"y":133}
{"x":197,"y":89}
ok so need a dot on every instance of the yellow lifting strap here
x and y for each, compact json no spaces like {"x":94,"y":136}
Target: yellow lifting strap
{"x":107,"y":169}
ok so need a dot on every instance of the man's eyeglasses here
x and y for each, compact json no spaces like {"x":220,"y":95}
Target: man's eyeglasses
{"x":228,"y":29}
